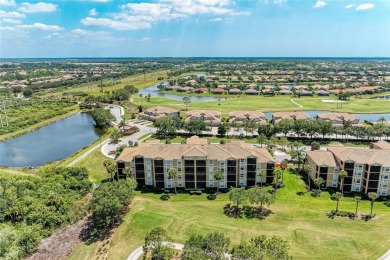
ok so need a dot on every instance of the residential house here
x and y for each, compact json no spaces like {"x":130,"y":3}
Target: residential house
{"x":277,"y":116}
{"x":210,"y":117}
{"x":218,"y":91}
{"x":251,"y":91}
{"x":154,"y":113}
{"x":339,"y":118}
{"x":234,"y":91}
{"x":196,"y":163}
{"x":242,"y":116}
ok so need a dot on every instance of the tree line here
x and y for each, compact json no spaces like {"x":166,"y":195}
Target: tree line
{"x":216,"y":246}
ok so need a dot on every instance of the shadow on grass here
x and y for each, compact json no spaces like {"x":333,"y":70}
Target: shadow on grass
{"x":300,"y":193}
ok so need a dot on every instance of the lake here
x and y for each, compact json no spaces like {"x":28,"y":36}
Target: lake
{"x":49,"y":143}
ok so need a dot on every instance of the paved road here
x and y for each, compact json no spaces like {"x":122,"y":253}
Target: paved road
{"x":137,"y":253}
{"x":386,"y":256}
{"x":88,"y":152}
{"x":116,"y":111}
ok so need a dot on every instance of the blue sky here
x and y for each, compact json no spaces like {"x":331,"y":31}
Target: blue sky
{"x":189,"y":28}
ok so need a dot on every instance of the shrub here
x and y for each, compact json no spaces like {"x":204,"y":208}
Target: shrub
{"x":196,"y":192}
{"x":165,"y":197}
{"x":211,"y":197}
{"x":166,"y":191}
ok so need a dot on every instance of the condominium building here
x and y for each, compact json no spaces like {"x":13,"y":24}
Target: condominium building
{"x":196,"y":162}
{"x":339,"y":119}
{"x":210,"y":117}
{"x":277,"y":116}
{"x":242,"y":116}
{"x":156,"y":112}
{"x":368,"y":169}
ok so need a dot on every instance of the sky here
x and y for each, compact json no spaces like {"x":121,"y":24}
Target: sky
{"x":194,"y":28}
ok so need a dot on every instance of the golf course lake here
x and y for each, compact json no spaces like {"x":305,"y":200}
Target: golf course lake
{"x":55,"y":141}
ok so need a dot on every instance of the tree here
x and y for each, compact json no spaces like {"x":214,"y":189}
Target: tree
{"x":262,"y":139}
{"x":140,"y":96}
{"x":115,"y":135}
{"x":283,"y":142}
{"x":324,"y":127}
{"x":122,"y":124}
{"x":27,"y":93}
{"x":342,"y":175}
{"x":212,"y":246}
{"x":221,"y":130}
{"x":372,"y":196}
{"x":186,"y":102}
{"x":261,"y":174}
{"x":284,"y":126}
{"x":238,"y":196}
{"x":260,"y":197}
{"x":357,"y":200}
{"x":308,"y":169}
{"x":318,"y":182}
{"x":315,"y":146}
{"x":111,"y":168}
{"x":218,"y":176}
{"x":108,"y":200}
{"x":157,"y":243}
{"x":337,"y":196}
{"x":166,"y":126}
{"x":172,"y":175}
{"x":195,"y":126}
{"x":128,"y":172}
{"x":260,"y":248}
{"x":102,"y":117}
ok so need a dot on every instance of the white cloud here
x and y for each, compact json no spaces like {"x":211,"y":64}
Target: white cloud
{"x":319,"y":4}
{"x":143,"y":15}
{"x":217,"y":19}
{"x":99,"y":1}
{"x":7,"y":2}
{"x":40,"y":26}
{"x":13,"y":21}
{"x":349,"y":6}
{"x":11,"y":14}
{"x":93,"y":12}
{"x":40,"y":7}
{"x":365,"y":6}
{"x":54,"y":35}
{"x":280,"y":2}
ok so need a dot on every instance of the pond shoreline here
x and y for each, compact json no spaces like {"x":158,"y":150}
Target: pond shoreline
{"x":39,"y":125}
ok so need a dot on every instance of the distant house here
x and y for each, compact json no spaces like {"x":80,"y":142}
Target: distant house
{"x":223,"y":80}
{"x":338,"y":119}
{"x":235,"y":80}
{"x":154,"y":113}
{"x":304,"y":93}
{"x":185,"y":89}
{"x":322,"y":93}
{"x":210,"y":117}
{"x":242,"y":116}
{"x":222,"y":86}
{"x":201,"y":90}
{"x":277,"y":116}
{"x":285,"y":92}
{"x":234,"y":91}
{"x":173,"y":87}
{"x":251,"y":91}
{"x":218,"y":91}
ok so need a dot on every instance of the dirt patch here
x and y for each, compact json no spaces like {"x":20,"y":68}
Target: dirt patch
{"x":60,"y":244}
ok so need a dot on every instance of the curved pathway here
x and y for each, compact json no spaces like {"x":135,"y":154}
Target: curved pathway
{"x":292,"y":100}
{"x":137,"y":253}
{"x":386,"y":256}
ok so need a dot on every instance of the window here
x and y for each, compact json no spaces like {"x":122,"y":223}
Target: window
{"x":148,"y":167}
{"x":334,"y":185}
{"x":211,"y":162}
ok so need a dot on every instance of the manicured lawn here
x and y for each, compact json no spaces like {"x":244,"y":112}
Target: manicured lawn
{"x":94,"y":164}
{"x":276,"y":103}
{"x":298,"y":218}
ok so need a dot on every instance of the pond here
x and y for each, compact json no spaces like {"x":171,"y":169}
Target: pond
{"x":153,"y":91}
{"x":49,"y":143}
{"x":362,"y":117}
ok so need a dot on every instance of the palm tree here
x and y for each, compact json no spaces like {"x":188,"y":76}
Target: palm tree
{"x":372,"y":196}
{"x":261,"y":174}
{"x":382,"y":119}
{"x":172,"y":174}
{"x":140,"y":95}
{"x":342,"y":175}
{"x":337,"y":196}
{"x":318,"y":182}
{"x":357,"y":199}
{"x":218,"y":175}
{"x":308,"y":170}
{"x":122,"y":124}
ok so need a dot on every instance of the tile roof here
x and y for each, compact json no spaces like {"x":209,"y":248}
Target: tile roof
{"x":195,"y":147}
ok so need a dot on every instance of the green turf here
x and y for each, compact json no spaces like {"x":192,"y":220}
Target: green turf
{"x":300,"y":219}
{"x":276,"y":103}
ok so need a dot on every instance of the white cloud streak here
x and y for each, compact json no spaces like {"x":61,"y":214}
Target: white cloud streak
{"x":40,"y":7}
{"x":40,"y":26}
{"x":7,"y":2}
{"x":93,"y":12}
{"x":365,"y":6}
{"x":319,"y":4}
{"x":142,"y":15}
{"x":11,"y":14}
{"x":350,"y":6}
{"x":12,"y":21}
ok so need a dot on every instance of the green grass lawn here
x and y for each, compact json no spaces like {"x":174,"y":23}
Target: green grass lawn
{"x":299,"y":219}
{"x":277,"y":103}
